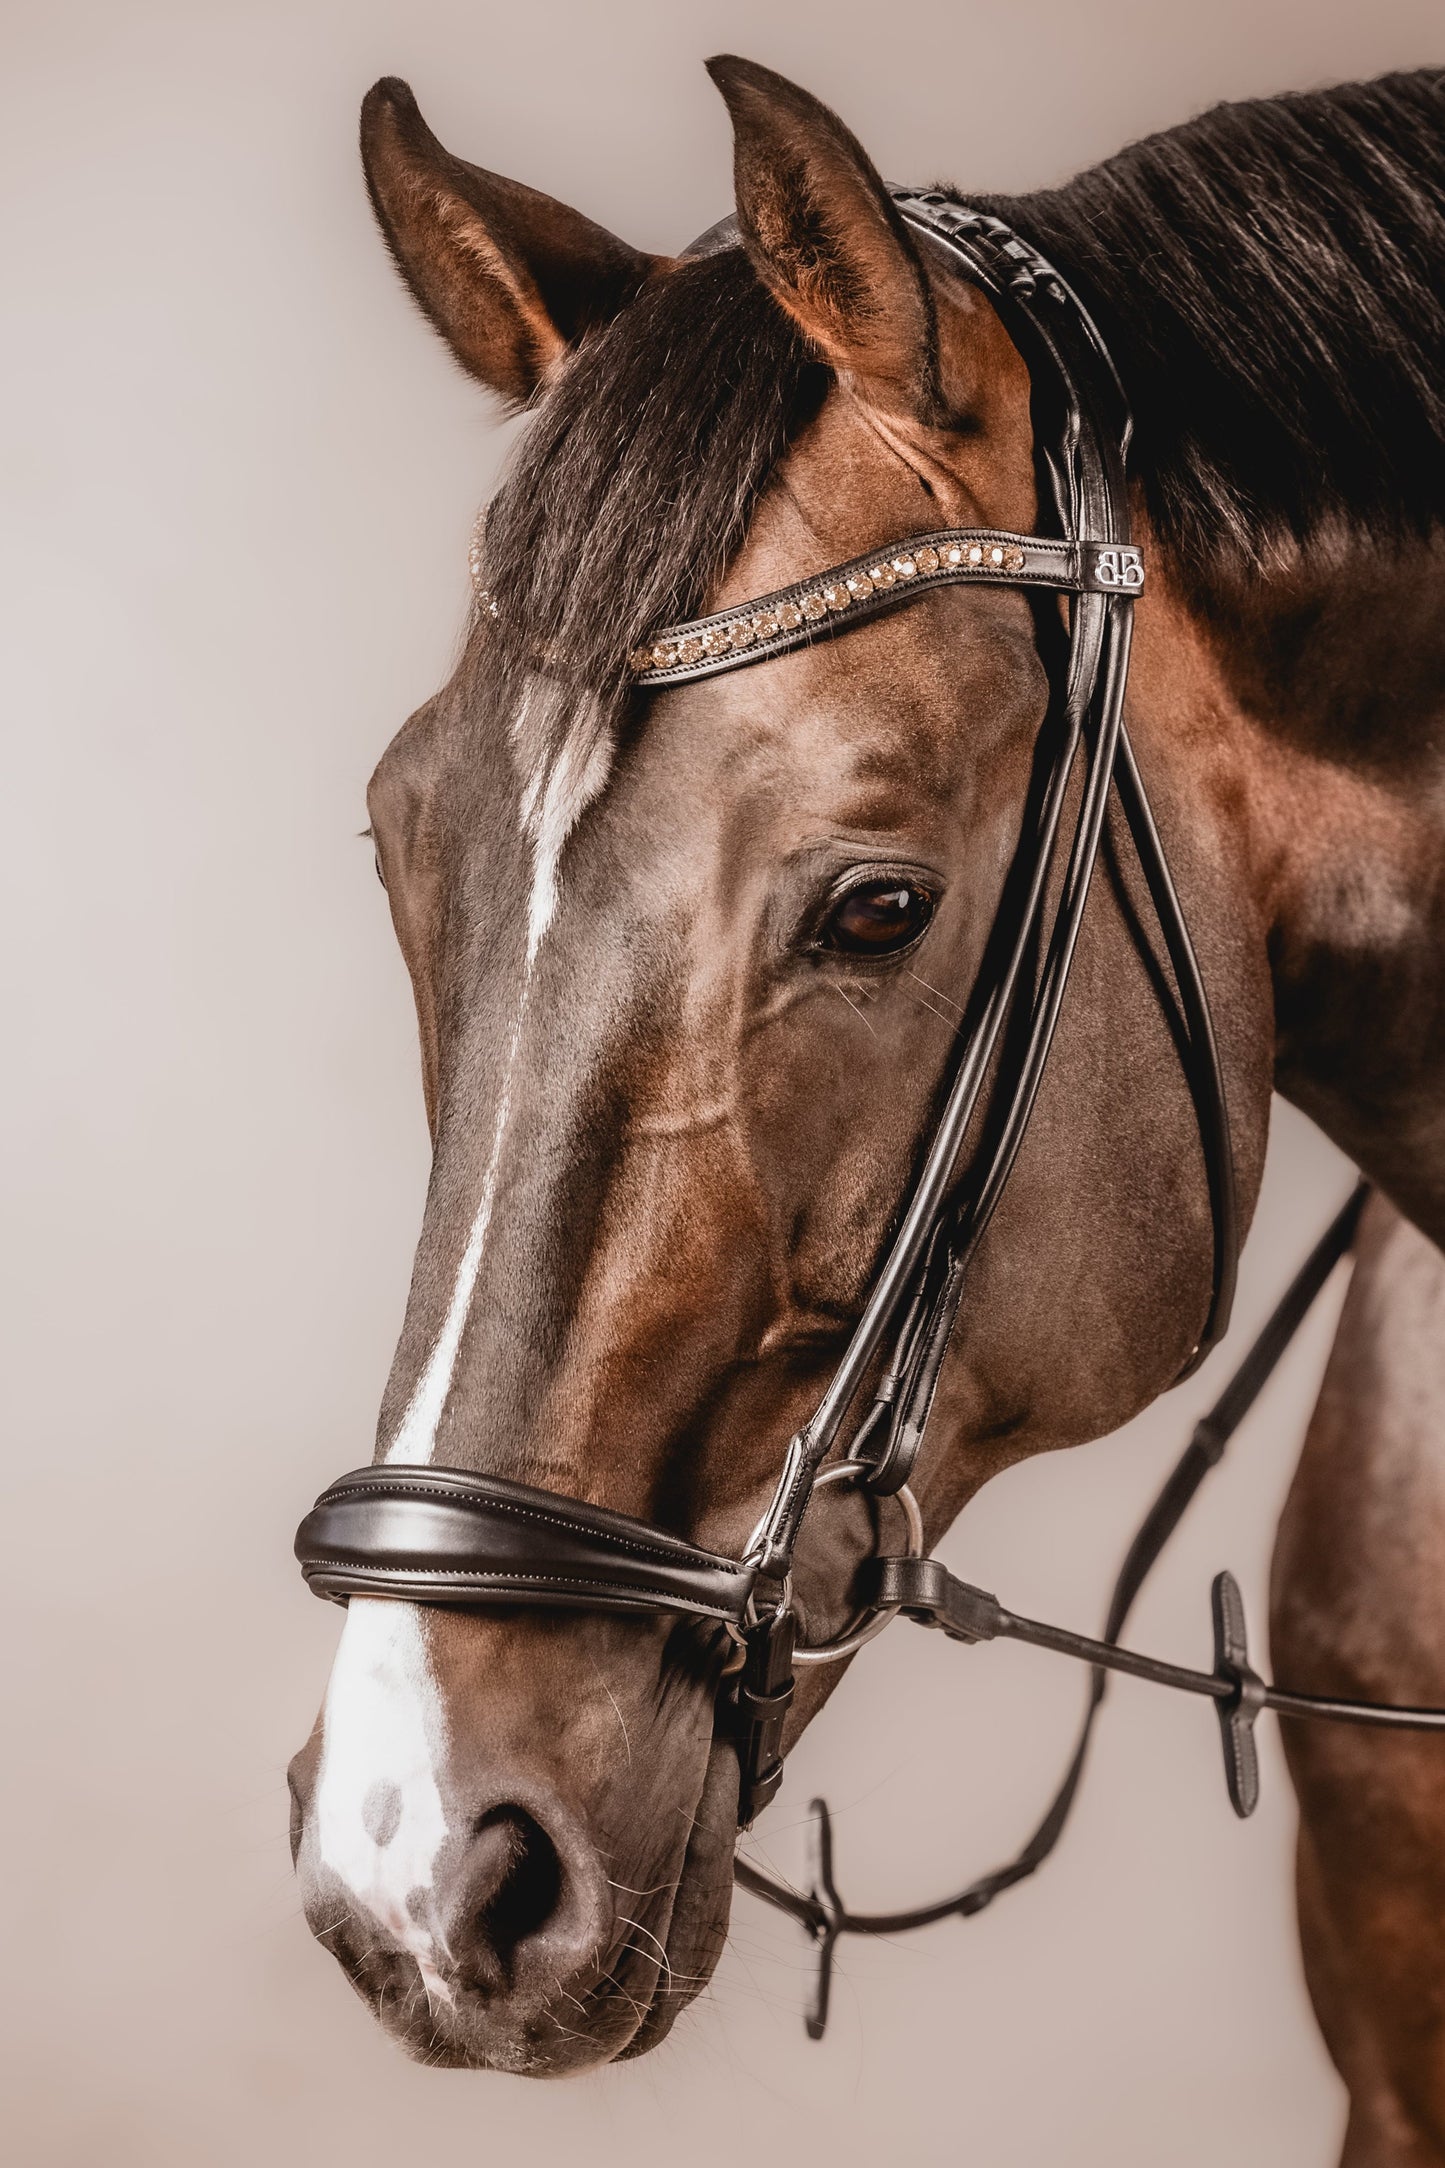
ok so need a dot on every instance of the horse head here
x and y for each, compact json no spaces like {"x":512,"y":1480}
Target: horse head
{"x":691,"y":961}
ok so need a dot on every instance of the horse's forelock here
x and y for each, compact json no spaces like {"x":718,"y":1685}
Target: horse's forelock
{"x":630,"y":492}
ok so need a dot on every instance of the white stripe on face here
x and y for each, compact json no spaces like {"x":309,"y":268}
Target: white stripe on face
{"x":416,"y":1435}
{"x":380,"y":1822}
{"x":551,"y":808}
{"x":379,"y":1817}
{"x":552,"y":805}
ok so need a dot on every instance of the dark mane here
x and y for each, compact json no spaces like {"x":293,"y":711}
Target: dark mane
{"x":1270,"y":279}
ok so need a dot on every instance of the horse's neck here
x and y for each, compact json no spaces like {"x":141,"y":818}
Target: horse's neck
{"x":1323,"y":703}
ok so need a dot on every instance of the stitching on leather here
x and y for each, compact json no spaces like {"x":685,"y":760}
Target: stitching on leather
{"x":498,"y":1578}
{"x":708,"y":1560}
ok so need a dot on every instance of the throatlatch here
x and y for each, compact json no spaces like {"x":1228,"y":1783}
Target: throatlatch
{"x":438,"y":1535}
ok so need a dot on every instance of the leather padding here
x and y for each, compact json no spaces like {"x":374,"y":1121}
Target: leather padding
{"x":444,"y":1535}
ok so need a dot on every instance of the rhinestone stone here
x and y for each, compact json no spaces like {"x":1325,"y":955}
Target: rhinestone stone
{"x":664,"y":655}
{"x":996,"y":556}
{"x":837,"y":596}
{"x":715,"y":641}
{"x":858,"y":583}
{"x":741,"y":634}
{"x":882,"y":575}
{"x":814,"y":606}
{"x":789,"y":616}
{"x":640,"y":659}
{"x":1014,"y":559}
{"x":905,"y":567}
{"x":927,"y":558}
{"x":975,"y":553}
{"x":953,"y":555}
{"x":765,"y":624}
{"x":691,"y":649}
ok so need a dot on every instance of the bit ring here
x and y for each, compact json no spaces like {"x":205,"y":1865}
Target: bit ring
{"x":833,"y":1652}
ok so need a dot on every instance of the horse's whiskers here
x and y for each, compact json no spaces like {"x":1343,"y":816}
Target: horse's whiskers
{"x":919,"y":1002}
{"x":662,"y":1956}
{"x":624,"y":1889}
{"x":852,"y":1005}
{"x":946,"y":999}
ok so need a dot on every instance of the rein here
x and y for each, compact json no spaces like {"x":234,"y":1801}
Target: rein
{"x":426,"y":1534}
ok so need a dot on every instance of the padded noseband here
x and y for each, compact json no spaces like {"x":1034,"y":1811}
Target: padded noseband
{"x":442,"y":1535}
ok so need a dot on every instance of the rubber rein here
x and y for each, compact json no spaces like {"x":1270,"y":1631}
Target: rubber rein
{"x":440,"y":1535}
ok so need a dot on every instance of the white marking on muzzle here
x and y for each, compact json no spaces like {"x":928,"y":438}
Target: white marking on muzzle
{"x":380,"y":1821}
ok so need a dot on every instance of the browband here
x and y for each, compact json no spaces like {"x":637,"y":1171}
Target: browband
{"x":442,"y":1535}
{"x":826,"y":603}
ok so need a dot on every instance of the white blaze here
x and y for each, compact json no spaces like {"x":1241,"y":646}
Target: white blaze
{"x":552,"y":804}
{"x":416,"y":1435}
{"x":380,"y":1820}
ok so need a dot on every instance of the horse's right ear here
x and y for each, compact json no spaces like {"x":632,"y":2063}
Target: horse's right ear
{"x":510,"y":278}
{"x":826,"y":238}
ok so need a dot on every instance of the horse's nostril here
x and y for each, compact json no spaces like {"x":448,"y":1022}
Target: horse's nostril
{"x":516,"y":1882}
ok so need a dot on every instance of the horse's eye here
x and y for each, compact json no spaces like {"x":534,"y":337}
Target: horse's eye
{"x":877,"y":919}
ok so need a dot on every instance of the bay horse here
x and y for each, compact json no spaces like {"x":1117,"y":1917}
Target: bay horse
{"x":690,"y":962}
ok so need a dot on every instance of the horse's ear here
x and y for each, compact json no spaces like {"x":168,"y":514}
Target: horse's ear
{"x":825,"y":236}
{"x":510,"y":278}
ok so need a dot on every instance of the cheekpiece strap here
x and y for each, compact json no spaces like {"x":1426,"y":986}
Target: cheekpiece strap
{"x":827,"y":602}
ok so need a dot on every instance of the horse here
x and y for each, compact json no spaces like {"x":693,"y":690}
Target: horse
{"x":691,"y":959}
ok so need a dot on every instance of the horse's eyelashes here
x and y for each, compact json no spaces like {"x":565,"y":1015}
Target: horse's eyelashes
{"x":368,"y":835}
{"x":881,"y":917}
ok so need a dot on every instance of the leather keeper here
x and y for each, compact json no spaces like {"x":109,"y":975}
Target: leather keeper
{"x":923,"y":1589}
{"x":763,"y":1696}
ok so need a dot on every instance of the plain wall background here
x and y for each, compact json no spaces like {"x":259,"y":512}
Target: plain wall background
{"x":239,"y":475}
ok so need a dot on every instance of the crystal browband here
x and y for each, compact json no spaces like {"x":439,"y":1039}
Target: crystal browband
{"x":815,"y":608}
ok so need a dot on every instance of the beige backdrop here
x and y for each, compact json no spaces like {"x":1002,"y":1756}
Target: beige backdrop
{"x":239,"y":476}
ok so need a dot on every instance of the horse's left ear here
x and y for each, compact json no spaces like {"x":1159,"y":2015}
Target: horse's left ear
{"x":826,"y":238}
{"x":510,"y":277}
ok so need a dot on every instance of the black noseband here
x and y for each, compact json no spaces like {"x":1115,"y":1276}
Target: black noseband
{"x":441,"y":1535}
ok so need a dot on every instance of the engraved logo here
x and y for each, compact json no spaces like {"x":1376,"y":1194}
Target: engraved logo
{"x":1120,"y":568}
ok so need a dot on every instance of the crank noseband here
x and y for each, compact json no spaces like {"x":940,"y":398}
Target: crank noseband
{"x":442,"y":1535}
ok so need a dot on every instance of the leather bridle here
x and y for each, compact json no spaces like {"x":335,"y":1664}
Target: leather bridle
{"x":427,"y":1534}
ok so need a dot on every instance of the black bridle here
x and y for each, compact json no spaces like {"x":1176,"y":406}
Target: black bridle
{"x":442,"y":1535}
